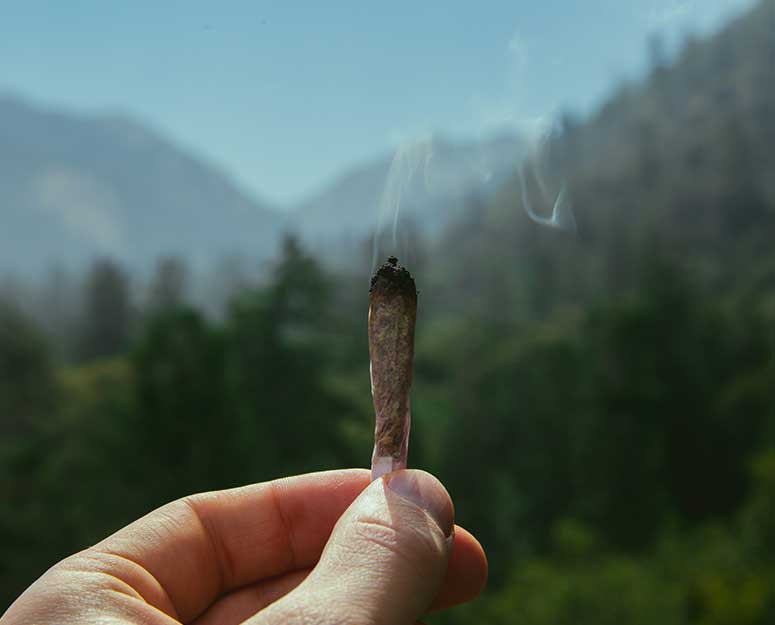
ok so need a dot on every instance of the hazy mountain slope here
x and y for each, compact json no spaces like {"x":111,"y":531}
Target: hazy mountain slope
{"x":680,"y":164}
{"x":74,"y":186}
{"x":687,"y":157}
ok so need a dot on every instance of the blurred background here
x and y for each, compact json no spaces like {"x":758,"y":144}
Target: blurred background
{"x":192,"y":199}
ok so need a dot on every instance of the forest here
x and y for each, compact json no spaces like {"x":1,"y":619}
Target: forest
{"x":600,"y":405}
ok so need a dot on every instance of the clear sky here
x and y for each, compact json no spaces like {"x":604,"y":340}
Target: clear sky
{"x":284,"y":94}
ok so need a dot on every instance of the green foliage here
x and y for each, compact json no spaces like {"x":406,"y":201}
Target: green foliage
{"x":602,"y":454}
{"x":179,"y":419}
{"x":606,"y":590}
{"x":27,"y":385}
{"x":274,"y":372}
{"x":107,"y":315}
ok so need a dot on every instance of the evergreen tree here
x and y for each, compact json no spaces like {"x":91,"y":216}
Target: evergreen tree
{"x":107,"y":314}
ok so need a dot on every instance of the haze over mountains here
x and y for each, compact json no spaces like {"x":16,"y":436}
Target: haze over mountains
{"x":74,"y":186}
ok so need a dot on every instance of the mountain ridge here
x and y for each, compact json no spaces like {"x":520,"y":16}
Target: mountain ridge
{"x":74,"y":186}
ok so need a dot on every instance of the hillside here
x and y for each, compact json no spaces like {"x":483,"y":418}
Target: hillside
{"x":679,"y":165}
{"x":73,"y":186}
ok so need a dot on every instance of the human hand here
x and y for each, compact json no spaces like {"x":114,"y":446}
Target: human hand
{"x":307,"y":550}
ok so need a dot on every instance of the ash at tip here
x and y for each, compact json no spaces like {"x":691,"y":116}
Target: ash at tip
{"x":391,"y":274}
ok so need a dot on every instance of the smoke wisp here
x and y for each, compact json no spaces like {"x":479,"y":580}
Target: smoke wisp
{"x":410,"y":166}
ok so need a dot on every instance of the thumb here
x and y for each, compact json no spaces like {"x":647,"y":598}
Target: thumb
{"x":384,"y":562}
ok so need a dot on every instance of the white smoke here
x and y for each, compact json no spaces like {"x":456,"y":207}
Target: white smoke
{"x":410,"y":167}
{"x":561,"y":216}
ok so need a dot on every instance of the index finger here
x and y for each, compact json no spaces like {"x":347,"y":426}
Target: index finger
{"x":201,"y":546}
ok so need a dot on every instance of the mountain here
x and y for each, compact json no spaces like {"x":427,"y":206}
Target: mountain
{"x":684,"y":159}
{"x":75,"y":186}
{"x":679,"y":166}
{"x":428,"y":181}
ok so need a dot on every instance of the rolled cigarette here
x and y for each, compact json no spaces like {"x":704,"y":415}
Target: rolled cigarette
{"x":392,"y":316}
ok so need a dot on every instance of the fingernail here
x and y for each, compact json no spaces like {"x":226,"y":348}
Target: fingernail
{"x":425,"y":491}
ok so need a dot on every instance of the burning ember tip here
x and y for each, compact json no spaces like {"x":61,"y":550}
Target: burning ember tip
{"x":393,"y":278}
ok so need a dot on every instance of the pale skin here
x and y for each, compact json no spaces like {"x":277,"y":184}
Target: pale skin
{"x":321,"y":548}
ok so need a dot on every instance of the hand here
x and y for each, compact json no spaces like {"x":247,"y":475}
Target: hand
{"x":313,"y":549}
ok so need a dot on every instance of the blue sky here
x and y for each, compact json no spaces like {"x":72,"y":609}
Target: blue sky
{"x":282,"y":95}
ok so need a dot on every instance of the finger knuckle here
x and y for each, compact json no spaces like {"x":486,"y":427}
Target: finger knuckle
{"x":407,"y":543}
